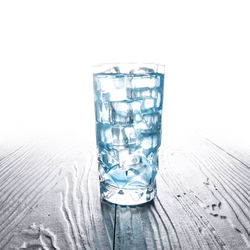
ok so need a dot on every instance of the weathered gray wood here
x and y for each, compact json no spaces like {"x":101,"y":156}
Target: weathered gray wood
{"x":239,"y":153}
{"x":202,"y":203}
{"x":145,"y":227}
{"x":49,"y":199}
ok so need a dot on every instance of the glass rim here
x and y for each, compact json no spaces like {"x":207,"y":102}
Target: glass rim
{"x":126,"y":66}
{"x":127,"y":63}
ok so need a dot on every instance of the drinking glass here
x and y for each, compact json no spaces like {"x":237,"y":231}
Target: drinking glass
{"x":128,"y":111}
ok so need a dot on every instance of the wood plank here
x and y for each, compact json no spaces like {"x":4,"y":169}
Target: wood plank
{"x":49,"y":199}
{"x":145,"y":227}
{"x":236,"y":152}
{"x":202,"y":203}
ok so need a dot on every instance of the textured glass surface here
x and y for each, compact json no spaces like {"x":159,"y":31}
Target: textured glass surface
{"x":128,"y":109}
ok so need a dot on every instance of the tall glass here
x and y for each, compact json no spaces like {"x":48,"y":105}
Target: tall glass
{"x":128,"y":109}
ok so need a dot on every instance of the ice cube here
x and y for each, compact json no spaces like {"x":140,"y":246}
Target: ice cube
{"x":104,"y":97}
{"x":152,"y":121}
{"x":103,"y":175}
{"x":120,"y":84}
{"x":106,"y":84}
{"x":109,"y":157}
{"x":137,"y":117}
{"x":122,"y":112}
{"x":104,"y":134}
{"x":141,"y":70}
{"x":158,"y":101}
{"x":135,"y":161}
{"x":146,"y":175}
{"x":114,"y":70}
{"x":157,"y":140}
{"x":148,"y":104}
{"x":117,"y":177}
{"x":141,"y":93}
{"x":130,"y":134}
{"x":121,"y":108}
{"x":118,"y":95}
{"x":125,"y":158}
{"x":129,"y":88}
{"x":119,"y":136}
{"x":129,"y":93}
{"x":154,"y":92}
{"x":112,"y":89}
{"x":136,"y":106}
{"x":144,"y":82}
{"x":97,"y":83}
{"x":123,"y":155}
{"x":98,"y":111}
{"x":151,"y":142}
{"x":153,"y":160}
{"x":136,"y":182}
{"x":103,"y":113}
{"x":147,"y":142}
{"x":139,"y":177}
{"x":141,"y":126}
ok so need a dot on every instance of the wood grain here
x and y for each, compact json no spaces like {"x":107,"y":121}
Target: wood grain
{"x":203,"y":203}
{"x":49,"y":199}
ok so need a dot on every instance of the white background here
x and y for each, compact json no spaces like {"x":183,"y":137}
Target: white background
{"x":47,"y":49}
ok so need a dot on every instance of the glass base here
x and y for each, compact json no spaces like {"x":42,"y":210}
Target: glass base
{"x":128,"y":197}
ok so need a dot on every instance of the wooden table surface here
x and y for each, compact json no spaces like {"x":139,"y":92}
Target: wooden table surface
{"x":49,"y":199}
